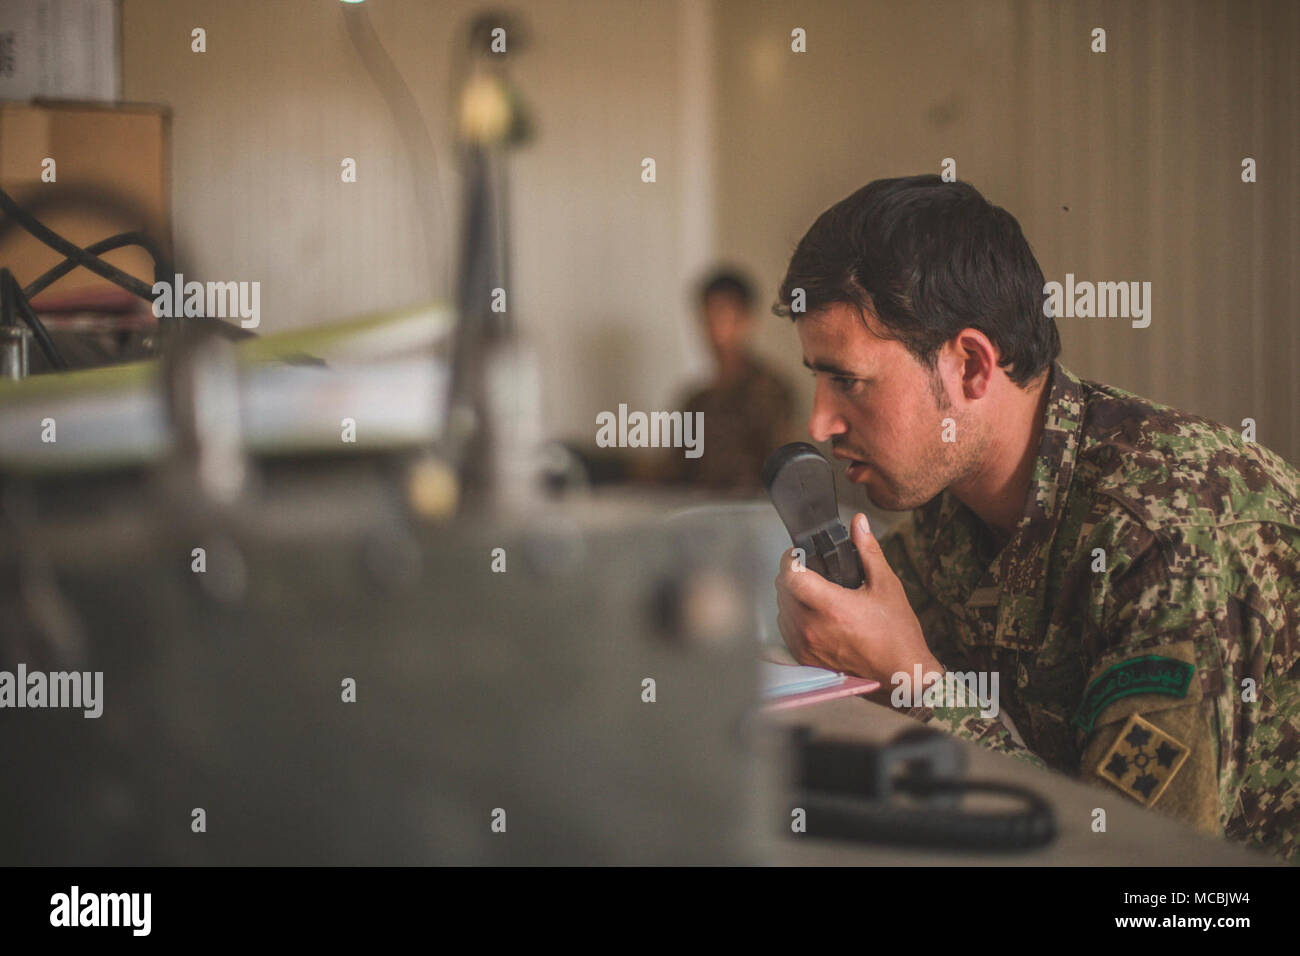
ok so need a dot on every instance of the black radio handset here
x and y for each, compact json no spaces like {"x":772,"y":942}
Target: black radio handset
{"x":800,"y":483}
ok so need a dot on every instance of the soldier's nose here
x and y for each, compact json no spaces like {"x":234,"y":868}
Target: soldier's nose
{"x":824,"y":422}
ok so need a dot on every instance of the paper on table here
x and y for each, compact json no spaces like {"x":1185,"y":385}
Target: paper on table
{"x":781,"y":680}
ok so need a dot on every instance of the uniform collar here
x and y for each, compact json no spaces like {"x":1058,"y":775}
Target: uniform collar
{"x":1019,"y":572}
{"x":1053,"y":464}
{"x":1058,"y":449}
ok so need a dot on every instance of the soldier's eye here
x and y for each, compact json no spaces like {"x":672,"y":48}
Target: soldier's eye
{"x":846,"y":385}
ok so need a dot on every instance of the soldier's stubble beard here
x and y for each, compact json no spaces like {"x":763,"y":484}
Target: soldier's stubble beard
{"x":937,"y":464}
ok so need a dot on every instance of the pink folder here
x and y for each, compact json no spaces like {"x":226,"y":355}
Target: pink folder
{"x":851,"y":687}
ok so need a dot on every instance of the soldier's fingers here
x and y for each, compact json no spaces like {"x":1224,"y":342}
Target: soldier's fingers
{"x":874,"y":564}
{"x":785,"y":578}
{"x":788,"y":606}
{"x":803,"y":584}
{"x":790,"y":634}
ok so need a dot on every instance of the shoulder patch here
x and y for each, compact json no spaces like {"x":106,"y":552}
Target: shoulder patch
{"x":1143,"y":760}
{"x":1151,"y":674}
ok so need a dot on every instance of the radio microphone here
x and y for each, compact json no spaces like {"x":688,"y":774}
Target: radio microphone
{"x":800,"y":483}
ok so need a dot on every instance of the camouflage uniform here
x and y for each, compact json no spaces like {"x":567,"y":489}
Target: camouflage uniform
{"x":744,"y":422}
{"x":1170,"y":672}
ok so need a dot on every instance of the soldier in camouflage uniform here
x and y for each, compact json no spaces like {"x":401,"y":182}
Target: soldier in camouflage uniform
{"x":1142,"y":605}
{"x":747,"y":419}
{"x":1145,"y":616}
{"x":747,"y":408}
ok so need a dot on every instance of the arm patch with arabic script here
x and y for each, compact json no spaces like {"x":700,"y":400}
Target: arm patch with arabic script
{"x":1151,"y":674}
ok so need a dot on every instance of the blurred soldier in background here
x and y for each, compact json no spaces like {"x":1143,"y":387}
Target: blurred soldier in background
{"x":748,"y":408}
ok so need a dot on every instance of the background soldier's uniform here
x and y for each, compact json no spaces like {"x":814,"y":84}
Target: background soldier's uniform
{"x":1170,"y":672}
{"x":744,"y":422}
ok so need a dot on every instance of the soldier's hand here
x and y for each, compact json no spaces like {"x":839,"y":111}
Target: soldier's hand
{"x":868,"y":632}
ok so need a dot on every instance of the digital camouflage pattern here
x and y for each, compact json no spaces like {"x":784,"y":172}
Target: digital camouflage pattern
{"x":1199,"y":532}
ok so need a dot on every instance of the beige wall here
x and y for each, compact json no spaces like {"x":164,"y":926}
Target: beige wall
{"x":1143,"y":143}
{"x":601,"y":260}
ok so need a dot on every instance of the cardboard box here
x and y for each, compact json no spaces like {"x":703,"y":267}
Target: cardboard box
{"x":111,"y":168}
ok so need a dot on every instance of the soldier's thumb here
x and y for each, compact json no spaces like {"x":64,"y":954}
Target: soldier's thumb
{"x":869,"y":550}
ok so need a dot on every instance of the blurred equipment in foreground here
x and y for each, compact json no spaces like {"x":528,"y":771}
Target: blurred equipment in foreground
{"x":344,"y":683}
{"x":310,"y":642}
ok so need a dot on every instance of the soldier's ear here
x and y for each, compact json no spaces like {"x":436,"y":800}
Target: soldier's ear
{"x":968,"y":360}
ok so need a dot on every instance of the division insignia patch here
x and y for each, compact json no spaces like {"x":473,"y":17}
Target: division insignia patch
{"x":1143,"y":760}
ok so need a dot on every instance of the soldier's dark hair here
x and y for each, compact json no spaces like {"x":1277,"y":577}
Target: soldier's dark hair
{"x":928,"y":258}
{"x":728,"y":281}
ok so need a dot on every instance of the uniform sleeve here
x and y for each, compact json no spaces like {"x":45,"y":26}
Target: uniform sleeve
{"x":968,"y":723}
{"x":1155,"y":699}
